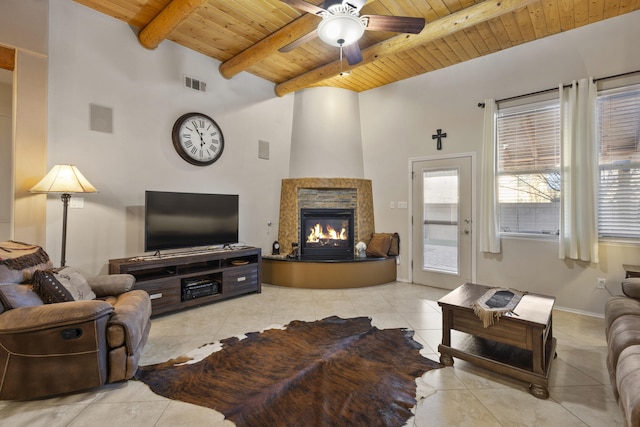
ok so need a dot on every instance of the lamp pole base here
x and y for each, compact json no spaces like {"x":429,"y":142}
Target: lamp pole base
{"x":65,"y":205}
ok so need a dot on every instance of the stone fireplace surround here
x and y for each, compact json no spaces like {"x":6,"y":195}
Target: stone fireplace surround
{"x":351,"y":193}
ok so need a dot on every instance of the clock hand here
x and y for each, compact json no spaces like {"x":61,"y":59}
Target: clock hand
{"x":199,"y":134}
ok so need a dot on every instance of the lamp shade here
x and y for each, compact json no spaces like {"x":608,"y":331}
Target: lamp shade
{"x":63,"y":179}
{"x":340,"y":29}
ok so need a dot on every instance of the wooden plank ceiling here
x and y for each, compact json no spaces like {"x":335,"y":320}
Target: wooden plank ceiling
{"x":245,"y":35}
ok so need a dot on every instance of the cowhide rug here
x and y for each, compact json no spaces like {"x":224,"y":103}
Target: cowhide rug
{"x":331,"y":372}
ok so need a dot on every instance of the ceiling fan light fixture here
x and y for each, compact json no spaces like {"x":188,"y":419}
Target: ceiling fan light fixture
{"x":340,"y":29}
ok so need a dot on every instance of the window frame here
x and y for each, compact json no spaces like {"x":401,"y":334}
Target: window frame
{"x":634,"y":164}
{"x":553,"y":102}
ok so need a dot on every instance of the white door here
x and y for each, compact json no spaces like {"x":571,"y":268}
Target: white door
{"x":442,"y":232}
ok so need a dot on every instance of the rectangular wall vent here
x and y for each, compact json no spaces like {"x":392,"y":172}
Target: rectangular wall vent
{"x":195,"y":84}
{"x":100,"y":118}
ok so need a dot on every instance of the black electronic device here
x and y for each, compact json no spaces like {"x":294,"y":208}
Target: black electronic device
{"x":188,"y":220}
{"x":199,"y":287}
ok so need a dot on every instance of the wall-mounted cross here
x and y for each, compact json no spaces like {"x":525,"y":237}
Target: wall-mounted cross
{"x":439,"y":135}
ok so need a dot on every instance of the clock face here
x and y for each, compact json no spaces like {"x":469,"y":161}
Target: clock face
{"x":198,"y":139}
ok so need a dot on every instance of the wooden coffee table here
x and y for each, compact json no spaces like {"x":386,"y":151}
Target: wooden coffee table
{"x":519,"y":345}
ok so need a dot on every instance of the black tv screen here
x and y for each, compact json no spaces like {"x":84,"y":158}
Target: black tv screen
{"x":183,"y":220}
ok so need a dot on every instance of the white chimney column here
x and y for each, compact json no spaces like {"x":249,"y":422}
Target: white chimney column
{"x":326,"y":141}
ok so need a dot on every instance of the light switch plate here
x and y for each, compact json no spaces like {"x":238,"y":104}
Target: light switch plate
{"x":77,"y":202}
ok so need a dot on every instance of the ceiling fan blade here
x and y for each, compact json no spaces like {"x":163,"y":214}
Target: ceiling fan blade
{"x":303,"y":5}
{"x":297,"y":43}
{"x":396,"y":24}
{"x":353,"y":53}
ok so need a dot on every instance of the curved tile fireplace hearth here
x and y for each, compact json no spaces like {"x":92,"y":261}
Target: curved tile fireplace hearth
{"x":357,"y":273}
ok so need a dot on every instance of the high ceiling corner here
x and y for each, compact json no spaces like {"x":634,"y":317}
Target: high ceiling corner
{"x":246,"y":35}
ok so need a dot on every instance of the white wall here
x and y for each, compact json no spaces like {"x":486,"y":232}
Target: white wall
{"x":399,"y":119}
{"x":24,"y":28}
{"x":23,"y":24}
{"x":6,"y":167}
{"x":97,"y":59}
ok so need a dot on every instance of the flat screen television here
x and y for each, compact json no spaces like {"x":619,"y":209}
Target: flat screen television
{"x":183,"y":220}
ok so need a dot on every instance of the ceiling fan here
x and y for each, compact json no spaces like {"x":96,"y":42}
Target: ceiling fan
{"x":342,"y":26}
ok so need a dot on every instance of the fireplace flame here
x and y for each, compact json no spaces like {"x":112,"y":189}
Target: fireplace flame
{"x":317,"y":234}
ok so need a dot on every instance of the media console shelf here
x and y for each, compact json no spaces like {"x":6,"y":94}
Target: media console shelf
{"x":175,"y":282}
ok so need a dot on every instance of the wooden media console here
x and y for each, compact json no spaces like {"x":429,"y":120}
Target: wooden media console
{"x":177,"y":281}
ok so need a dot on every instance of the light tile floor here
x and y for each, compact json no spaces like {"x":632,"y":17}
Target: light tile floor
{"x":462,"y":395}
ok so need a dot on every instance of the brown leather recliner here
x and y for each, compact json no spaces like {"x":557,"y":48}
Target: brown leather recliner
{"x":622,"y":329}
{"x":51,"y":349}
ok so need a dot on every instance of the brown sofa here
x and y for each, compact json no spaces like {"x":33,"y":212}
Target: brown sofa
{"x":56,"y":348}
{"x":622,"y":323}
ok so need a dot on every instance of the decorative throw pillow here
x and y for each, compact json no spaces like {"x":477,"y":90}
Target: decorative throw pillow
{"x":394,"y":249}
{"x":631,"y":287}
{"x":48,"y":288}
{"x":75,"y":283}
{"x":379,"y":245}
{"x":15,"y":296}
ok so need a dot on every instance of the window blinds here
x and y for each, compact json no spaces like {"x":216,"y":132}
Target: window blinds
{"x":528,"y":140}
{"x":619,"y":148}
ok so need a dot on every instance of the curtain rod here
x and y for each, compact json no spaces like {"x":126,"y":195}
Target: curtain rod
{"x":481,"y":104}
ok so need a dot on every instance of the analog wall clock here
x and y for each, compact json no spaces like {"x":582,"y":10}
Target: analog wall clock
{"x":198,"y":139}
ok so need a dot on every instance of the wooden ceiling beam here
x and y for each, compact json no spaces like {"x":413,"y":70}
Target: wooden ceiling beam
{"x":166,"y":21}
{"x":269,"y":45}
{"x":463,"y":19}
{"x":7,"y":58}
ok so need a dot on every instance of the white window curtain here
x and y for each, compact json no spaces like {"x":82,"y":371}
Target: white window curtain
{"x":489,"y":224}
{"x":579,"y":172}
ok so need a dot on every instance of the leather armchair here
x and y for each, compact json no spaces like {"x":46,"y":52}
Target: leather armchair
{"x":51,"y":349}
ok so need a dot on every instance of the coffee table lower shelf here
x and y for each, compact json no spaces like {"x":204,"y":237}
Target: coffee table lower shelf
{"x":502,"y":359}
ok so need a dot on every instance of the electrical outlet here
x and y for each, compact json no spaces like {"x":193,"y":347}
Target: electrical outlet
{"x":601,"y":283}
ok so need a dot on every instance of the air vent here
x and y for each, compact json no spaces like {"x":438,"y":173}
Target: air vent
{"x":195,"y":84}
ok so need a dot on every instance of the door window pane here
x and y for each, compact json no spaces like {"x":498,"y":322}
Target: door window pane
{"x":440,"y":226}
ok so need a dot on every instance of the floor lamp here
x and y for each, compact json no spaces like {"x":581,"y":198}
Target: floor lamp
{"x":64,"y":179}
